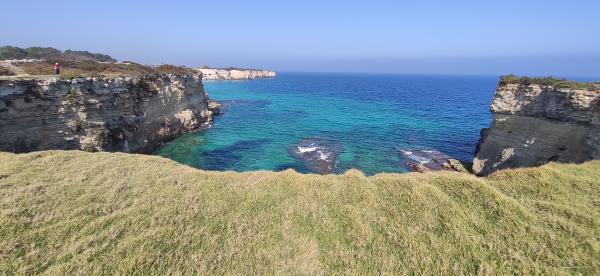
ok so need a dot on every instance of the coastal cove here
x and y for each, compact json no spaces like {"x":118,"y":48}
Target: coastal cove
{"x":370,"y":120}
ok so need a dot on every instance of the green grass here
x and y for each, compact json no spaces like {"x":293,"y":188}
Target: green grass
{"x":106,"y":213}
{"x":550,"y":81}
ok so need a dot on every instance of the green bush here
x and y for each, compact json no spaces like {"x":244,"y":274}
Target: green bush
{"x":556,"y":83}
{"x":11,"y":52}
{"x":88,"y":55}
{"x":42,"y":52}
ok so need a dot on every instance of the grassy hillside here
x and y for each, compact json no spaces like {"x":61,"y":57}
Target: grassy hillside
{"x":66,"y":212}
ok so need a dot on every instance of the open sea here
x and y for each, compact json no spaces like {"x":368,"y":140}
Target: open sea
{"x":362,"y":121}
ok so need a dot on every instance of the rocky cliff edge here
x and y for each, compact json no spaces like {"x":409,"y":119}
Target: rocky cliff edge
{"x":129,"y":114}
{"x":538,"y":122}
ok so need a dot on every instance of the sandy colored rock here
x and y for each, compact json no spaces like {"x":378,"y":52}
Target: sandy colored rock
{"x":535,"y":124}
{"x":453,"y":165}
{"x":130,"y":114}
{"x":235,"y":74}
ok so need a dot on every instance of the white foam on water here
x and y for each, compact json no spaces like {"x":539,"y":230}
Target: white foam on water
{"x":406,"y":152}
{"x":324,"y":155}
{"x":417,"y":158}
{"x":420,"y":159}
{"x":306,"y":149}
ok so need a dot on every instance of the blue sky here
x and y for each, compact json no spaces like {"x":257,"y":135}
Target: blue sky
{"x":440,"y":37}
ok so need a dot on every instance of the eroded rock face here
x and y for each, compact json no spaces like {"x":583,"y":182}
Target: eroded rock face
{"x":535,"y":124}
{"x":235,"y":74}
{"x":130,"y":114}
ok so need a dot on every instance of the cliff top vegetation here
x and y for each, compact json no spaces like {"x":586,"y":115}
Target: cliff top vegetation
{"x":69,"y":212}
{"x":11,"y":52}
{"x":87,"y":68}
{"x":550,"y":81}
{"x":75,"y":63}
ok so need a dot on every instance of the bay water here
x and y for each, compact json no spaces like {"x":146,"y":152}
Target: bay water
{"x":372,"y":117}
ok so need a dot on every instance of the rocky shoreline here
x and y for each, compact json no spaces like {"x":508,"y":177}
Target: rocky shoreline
{"x":533,"y":123}
{"x":128,"y":114}
{"x":420,"y":160}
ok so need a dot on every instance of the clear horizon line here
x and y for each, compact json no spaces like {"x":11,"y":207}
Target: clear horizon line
{"x":433,"y":74}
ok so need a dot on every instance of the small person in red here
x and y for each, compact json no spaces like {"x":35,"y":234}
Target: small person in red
{"x":56,"y":68}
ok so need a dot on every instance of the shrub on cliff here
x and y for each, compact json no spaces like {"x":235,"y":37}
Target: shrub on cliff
{"x":42,"y":52}
{"x":11,"y":52}
{"x":92,"y":68}
{"x":172,"y":69}
{"x":85,"y":55}
{"x":81,"y":63}
{"x":549,"y":81}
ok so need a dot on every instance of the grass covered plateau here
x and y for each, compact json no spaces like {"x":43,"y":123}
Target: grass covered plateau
{"x":66,"y":212}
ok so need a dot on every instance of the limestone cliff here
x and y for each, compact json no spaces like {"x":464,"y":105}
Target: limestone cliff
{"x":235,"y":74}
{"x":537,"y":123}
{"x":130,"y":114}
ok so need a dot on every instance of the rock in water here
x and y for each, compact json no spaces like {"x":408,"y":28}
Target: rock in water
{"x":429,"y":160}
{"x":318,"y":154}
{"x":454,"y":165}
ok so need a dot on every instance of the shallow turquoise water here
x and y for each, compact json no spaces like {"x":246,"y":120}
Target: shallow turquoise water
{"x":371,"y":116}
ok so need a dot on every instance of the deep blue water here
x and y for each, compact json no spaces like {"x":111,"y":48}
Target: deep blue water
{"x":371,"y":117}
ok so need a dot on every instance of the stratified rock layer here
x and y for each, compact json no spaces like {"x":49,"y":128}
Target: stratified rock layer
{"x":235,"y":74}
{"x":535,"y":124}
{"x":130,"y":114}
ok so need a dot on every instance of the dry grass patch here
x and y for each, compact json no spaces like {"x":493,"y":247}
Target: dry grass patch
{"x":106,"y":213}
{"x":6,"y":72}
{"x":89,"y":68}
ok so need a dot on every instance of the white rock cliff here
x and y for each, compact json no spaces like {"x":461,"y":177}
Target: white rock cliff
{"x":130,"y":114}
{"x":535,"y":124}
{"x":235,"y":74}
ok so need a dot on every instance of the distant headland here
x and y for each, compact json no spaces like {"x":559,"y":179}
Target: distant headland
{"x":233,"y":73}
{"x":33,"y":61}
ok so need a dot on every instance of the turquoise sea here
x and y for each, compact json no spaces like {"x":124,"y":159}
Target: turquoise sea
{"x":364,"y":120}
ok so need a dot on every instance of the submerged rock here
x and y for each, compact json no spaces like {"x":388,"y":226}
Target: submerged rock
{"x":429,"y":160}
{"x":318,"y":154}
